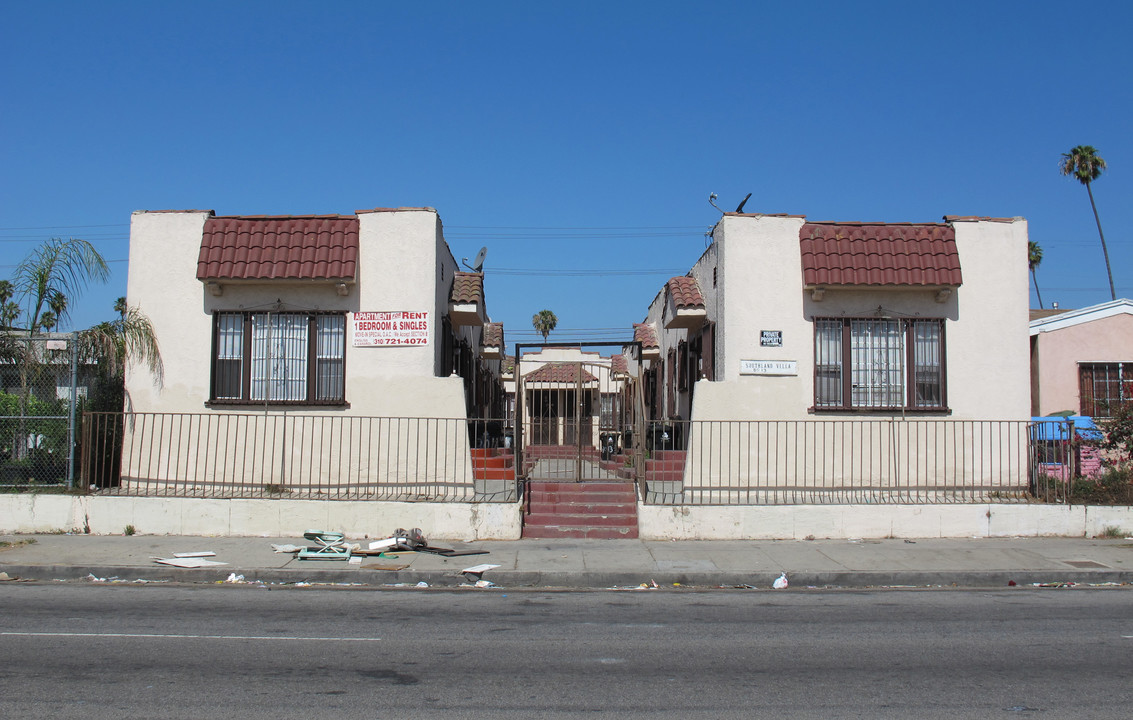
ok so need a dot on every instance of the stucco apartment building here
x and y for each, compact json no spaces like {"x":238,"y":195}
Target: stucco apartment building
{"x":326,"y":317}
{"x":880,"y":325}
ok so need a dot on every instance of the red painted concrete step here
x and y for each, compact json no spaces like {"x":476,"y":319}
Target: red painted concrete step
{"x":571,"y":520}
{"x":597,"y":486}
{"x":499,"y":461}
{"x":493,"y":473}
{"x":602,"y":509}
{"x":586,"y":507}
{"x":589,"y":533}
{"x":537,"y":497}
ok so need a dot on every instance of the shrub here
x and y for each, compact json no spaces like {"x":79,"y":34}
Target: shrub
{"x":1113,"y":487}
{"x":1118,"y":429}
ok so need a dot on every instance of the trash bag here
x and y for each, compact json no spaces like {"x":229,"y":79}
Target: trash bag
{"x":781,"y":582}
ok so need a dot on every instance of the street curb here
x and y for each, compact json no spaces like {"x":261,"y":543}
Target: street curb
{"x":579,"y":580}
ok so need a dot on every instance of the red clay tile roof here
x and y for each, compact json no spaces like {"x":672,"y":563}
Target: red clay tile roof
{"x":645,"y":334}
{"x":879,"y":254}
{"x":258,"y":247}
{"x":467,"y":288}
{"x":618,"y":364}
{"x":493,"y":335}
{"x":559,"y":373}
{"x":686,"y":293}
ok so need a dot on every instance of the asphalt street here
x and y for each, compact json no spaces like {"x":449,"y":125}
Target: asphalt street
{"x":149,"y":651}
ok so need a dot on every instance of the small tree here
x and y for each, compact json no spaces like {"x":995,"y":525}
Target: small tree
{"x":544,"y":322}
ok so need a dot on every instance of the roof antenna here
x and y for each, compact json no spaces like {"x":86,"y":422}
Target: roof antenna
{"x":740,"y":209}
{"x":477,"y":265}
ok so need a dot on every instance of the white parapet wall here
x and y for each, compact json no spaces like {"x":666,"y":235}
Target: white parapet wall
{"x":255,"y":518}
{"x":800,"y":522}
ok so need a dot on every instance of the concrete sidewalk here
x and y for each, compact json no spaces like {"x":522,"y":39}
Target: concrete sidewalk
{"x":975,"y":563}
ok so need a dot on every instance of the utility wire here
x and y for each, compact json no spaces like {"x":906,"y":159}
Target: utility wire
{"x":569,"y":227}
{"x":64,"y":227}
{"x":538,"y":272}
{"x":100,"y":236}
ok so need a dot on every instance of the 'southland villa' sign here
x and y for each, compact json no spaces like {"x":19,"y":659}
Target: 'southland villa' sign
{"x":769,"y":367}
{"x":390,"y":329}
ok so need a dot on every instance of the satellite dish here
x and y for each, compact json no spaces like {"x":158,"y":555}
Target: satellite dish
{"x":477,"y":264}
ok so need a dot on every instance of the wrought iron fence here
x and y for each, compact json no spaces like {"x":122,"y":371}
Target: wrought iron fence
{"x":741,"y":462}
{"x":258,"y":455}
{"x":748,"y":462}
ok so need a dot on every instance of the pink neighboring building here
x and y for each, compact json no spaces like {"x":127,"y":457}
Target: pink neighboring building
{"x":1082,"y":360}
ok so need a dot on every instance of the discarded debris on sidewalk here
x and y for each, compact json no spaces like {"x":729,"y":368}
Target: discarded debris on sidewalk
{"x":411,"y":541}
{"x":328,"y":546}
{"x":476,"y":573}
{"x":187,"y":562}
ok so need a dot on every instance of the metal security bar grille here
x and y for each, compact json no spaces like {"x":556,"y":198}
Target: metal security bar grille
{"x":879,"y":364}
{"x":843,"y":461}
{"x":1104,"y":386}
{"x":274,"y":358}
{"x":229,"y":455}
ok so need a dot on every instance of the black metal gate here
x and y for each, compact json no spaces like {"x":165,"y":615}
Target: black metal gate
{"x":579,"y":415}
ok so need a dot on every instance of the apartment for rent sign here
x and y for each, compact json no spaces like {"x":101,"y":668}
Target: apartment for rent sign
{"x":390,"y":329}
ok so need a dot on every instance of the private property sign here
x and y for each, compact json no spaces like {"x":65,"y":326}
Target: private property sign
{"x":400,"y":328}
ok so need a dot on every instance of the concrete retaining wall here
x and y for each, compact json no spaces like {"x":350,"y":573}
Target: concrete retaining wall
{"x":798,"y":522}
{"x":25,"y":513}
{"x":255,"y":518}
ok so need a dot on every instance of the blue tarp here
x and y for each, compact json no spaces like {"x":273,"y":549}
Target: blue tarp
{"x":1057,"y":428}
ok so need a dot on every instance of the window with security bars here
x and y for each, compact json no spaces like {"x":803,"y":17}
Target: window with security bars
{"x":1103,"y":387}
{"x":878,"y":363}
{"x":279,"y":358}
{"x":611,"y":410}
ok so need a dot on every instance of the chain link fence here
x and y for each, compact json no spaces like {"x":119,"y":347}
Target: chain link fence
{"x":37,"y":420}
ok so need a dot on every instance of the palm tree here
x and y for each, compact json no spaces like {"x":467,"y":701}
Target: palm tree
{"x":1084,"y":163}
{"x":56,"y":271}
{"x":8,"y":309}
{"x":1034,"y":259}
{"x":544,"y":322}
{"x":42,"y":284}
{"x":109,"y":345}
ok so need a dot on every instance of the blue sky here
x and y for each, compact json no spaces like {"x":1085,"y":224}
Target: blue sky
{"x":578,"y":141}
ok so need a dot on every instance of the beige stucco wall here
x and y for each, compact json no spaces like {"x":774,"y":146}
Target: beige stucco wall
{"x":988,"y":344}
{"x":1108,"y":339}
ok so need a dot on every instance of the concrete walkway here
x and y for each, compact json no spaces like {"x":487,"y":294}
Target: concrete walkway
{"x":593,"y":564}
